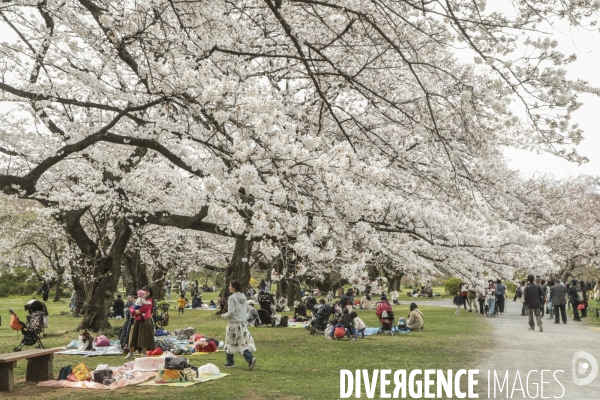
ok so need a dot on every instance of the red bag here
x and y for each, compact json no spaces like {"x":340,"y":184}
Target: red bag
{"x":210,"y":347}
{"x":581,"y":307}
{"x":156,"y":352}
{"x":339,"y":332}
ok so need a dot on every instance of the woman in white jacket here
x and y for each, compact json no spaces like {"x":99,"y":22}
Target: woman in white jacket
{"x":237,"y":336}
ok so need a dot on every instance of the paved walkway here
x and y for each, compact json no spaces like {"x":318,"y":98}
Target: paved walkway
{"x":518,"y":349}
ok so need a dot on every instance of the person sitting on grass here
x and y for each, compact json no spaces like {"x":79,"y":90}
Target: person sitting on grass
{"x":300,"y":312}
{"x":359,"y":325}
{"x":415,"y":318}
{"x":348,"y":322}
{"x":181,"y":302}
{"x":252,"y":316}
{"x":458,"y":301}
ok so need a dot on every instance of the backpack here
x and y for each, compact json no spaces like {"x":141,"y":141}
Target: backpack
{"x":284,"y":322}
{"x":402,"y":324}
{"x":101,"y":375}
{"x":64,"y":372}
{"x":339,"y":332}
{"x":580,"y":296}
{"x":519,"y":292}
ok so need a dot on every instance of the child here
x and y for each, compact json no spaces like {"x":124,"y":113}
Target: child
{"x":458,"y":301}
{"x":181,"y":302}
{"x":140,"y":301}
{"x":128,"y":304}
{"x":348,"y":323}
{"x":359,"y":325}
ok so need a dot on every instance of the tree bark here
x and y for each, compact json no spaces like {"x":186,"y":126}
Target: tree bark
{"x":237,"y":270}
{"x":104,"y":273}
{"x":289,"y":286}
{"x":158,"y":282}
{"x":59,"y":279}
{"x":135,"y":270}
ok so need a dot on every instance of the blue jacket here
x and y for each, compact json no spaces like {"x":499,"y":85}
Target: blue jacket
{"x":458,"y":300}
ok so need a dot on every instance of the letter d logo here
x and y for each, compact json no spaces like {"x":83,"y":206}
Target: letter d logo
{"x":583,"y":367}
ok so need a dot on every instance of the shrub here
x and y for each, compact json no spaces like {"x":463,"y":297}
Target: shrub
{"x":18,"y":284}
{"x":452,"y":285}
{"x":510,"y":287}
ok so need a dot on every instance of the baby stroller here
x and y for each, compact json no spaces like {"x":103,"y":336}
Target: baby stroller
{"x":320,"y":319}
{"x":386,"y":323}
{"x":31,"y":330}
{"x":311,"y":304}
{"x":265,"y":314}
{"x":161,"y":316}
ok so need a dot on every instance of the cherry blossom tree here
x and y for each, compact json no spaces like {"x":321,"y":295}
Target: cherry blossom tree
{"x":340,"y":130}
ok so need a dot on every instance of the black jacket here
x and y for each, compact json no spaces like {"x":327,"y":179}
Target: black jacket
{"x":572,"y":292}
{"x":118,"y":307}
{"x":533,"y":296}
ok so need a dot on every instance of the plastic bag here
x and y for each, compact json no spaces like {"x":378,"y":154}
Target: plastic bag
{"x":209,"y":369}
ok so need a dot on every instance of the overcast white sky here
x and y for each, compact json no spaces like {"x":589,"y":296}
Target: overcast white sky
{"x":586,"y":45}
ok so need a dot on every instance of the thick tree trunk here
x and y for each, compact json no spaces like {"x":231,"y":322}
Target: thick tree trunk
{"x":237,"y":270}
{"x":104,"y":273}
{"x":158,"y":282}
{"x":59,"y":279}
{"x":135,"y":270}
{"x":289,"y":286}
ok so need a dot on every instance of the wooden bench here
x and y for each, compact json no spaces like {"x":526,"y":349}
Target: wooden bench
{"x":39,"y":366}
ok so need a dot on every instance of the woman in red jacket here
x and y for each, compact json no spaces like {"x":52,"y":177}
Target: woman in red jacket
{"x":142,"y":333}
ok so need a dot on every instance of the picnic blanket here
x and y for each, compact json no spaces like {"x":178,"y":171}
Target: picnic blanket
{"x":200,"y":379}
{"x":373,"y":331}
{"x":138,"y":377}
{"x":114,"y":350}
{"x":297,"y":325}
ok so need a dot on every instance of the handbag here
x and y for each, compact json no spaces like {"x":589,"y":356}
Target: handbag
{"x":581,"y":307}
{"x":82,"y":373}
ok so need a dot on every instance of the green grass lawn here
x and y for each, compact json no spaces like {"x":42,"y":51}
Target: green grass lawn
{"x":292,"y":364}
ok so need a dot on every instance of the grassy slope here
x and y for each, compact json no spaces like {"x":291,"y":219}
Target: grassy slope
{"x":292,"y":364}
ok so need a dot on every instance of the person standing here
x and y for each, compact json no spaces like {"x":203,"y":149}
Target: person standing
{"x":500,"y":295}
{"x":558,"y":293}
{"x":45,"y":289}
{"x":491,"y":298}
{"x":237,"y":337}
{"x":545,"y":291}
{"x":168,"y":288}
{"x":532,"y":296}
{"x":330,"y":296}
{"x":522,"y":298}
{"x":585,"y":299}
{"x":481,"y":300}
{"x":471,"y":297}
{"x":184,"y":286}
{"x":457,"y":302}
{"x":142,"y":334}
{"x":573,"y":293}
{"x":464,"y":292}
{"x":549,"y":308}
{"x":395,"y":297}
